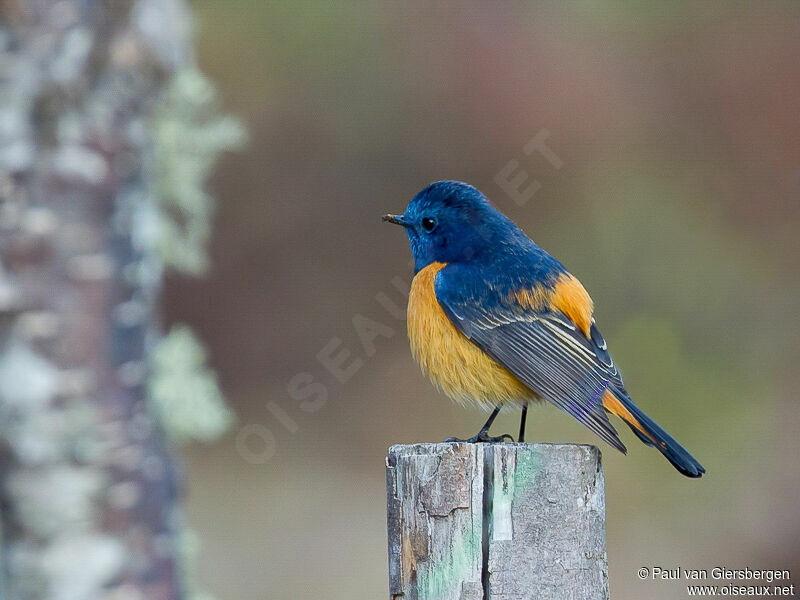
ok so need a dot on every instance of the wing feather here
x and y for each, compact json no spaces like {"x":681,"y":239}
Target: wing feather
{"x":547,"y":352}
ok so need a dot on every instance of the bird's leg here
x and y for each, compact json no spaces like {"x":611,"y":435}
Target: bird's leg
{"x":522,"y":420}
{"x":483,"y":434}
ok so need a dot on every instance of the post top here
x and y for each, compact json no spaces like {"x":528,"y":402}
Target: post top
{"x":432,"y":447}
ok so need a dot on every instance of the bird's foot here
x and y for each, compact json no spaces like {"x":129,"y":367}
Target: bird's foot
{"x":483,"y":437}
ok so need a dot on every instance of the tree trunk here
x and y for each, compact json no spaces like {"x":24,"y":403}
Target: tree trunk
{"x":89,"y":489}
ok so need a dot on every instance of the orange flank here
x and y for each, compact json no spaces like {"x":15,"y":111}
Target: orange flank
{"x":568,"y":296}
{"x":614,"y":406}
{"x":571,"y":298}
{"x":455,"y":365}
{"x":535,"y":299}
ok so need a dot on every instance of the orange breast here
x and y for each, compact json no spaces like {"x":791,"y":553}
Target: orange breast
{"x":454,"y":364}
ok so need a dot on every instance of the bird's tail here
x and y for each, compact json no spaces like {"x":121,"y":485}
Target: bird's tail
{"x":651,"y":433}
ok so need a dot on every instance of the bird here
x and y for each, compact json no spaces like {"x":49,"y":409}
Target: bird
{"x":496,"y":321}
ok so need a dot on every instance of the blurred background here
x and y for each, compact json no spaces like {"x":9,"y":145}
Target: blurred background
{"x":676,"y":202}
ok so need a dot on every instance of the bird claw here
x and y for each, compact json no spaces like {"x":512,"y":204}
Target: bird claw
{"x":482,"y":437}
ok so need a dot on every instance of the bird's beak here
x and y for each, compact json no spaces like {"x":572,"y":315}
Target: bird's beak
{"x":396,"y":219}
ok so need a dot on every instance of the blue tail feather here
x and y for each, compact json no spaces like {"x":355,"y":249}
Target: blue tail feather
{"x":667,"y":445}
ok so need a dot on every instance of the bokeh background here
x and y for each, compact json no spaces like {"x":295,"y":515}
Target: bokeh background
{"x":677,"y":204}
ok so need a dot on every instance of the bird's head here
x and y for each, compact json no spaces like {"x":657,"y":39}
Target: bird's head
{"x":451,"y":222}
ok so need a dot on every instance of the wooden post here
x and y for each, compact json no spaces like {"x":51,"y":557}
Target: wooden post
{"x":496,"y":522}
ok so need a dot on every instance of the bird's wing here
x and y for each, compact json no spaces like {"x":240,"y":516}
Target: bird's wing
{"x":546,"y":351}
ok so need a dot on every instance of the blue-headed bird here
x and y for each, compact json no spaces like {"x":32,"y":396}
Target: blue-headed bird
{"x":493,"y":319}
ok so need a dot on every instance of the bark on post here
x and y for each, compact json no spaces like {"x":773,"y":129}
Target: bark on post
{"x":89,"y":491}
{"x":496,"y":522}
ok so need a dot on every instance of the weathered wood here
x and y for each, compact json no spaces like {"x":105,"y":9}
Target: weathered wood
{"x":496,"y":522}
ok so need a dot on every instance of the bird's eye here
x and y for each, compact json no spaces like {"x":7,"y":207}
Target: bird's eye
{"x":429,"y":224}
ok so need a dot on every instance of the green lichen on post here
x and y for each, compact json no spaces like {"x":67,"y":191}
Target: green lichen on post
{"x":189,"y":134}
{"x":438,"y":577}
{"x":183,"y":391}
{"x":528,"y":467}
